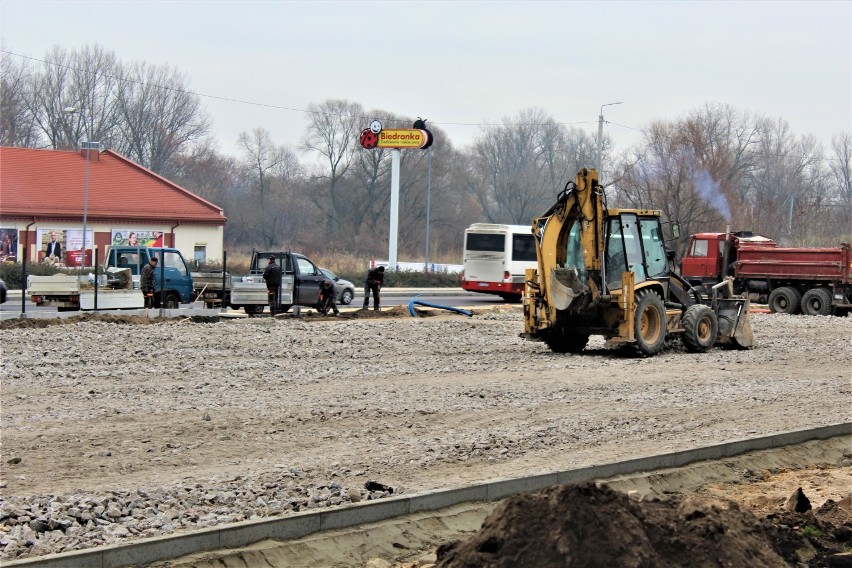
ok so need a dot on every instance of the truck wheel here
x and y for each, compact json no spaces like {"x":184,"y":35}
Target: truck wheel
{"x":253,"y":310}
{"x":700,"y":328}
{"x":346,"y":297}
{"x":649,"y":323}
{"x":561,"y":343}
{"x":172,"y":302}
{"x":817,"y":302}
{"x":784,"y":300}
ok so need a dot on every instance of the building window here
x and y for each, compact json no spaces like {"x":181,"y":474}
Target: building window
{"x":200,"y":253}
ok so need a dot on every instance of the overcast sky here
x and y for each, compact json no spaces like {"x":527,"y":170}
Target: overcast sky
{"x":462,"y":64}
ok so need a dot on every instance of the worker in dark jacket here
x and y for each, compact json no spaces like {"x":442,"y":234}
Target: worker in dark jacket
{"x":374,"y":282}
{"x":146,"y":282}
{"x":272,"y":277}
{"x":325,"y":301}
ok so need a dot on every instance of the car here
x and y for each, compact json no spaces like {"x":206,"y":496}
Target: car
{"x":345,"y":288}
{"x":3,"y":291}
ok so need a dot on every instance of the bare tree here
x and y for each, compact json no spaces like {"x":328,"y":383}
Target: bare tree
{"x":333,"y":128}
{"x":17,"y":123}
{"x":723,"y":140}
{"x":271,"y":169}
{"x":840,"y":165}
{"x":788,"y":185}
{"x":160,"y":117}
{"x":662,"y":173}
{"x":84,"y":80}
{"x":207,"y":173}
{"x":518,"y":167}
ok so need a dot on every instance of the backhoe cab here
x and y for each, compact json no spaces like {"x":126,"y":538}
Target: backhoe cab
{"x":606,"y":272}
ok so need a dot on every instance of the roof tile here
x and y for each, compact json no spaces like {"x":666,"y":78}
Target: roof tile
{"x":51,"y":183}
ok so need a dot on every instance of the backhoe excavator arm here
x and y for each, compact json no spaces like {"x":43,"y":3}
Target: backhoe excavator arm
{"x":569,"y":238}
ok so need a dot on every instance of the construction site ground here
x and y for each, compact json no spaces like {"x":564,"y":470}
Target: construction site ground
{"x":306,"y":411}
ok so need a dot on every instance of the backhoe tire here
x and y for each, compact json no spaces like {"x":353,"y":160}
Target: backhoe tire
{"x":561,"y":343}
{"x":649,"y":323}
{"x":817,"y":302}
{"x":785,"y":300}
{"x":700,"y":328}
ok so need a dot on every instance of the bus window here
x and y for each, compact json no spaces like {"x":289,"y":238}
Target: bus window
{"x":523,"y":248}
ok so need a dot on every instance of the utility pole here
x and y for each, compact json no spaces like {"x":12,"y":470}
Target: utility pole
{"x":88,"y":148}
{"x":600,"y":140}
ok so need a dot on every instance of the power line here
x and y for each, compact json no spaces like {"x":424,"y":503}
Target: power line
{"x":365,"y":118}
{"x":272,"y":106}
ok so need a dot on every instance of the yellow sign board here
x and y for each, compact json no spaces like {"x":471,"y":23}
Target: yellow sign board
{"x":402,"y":138}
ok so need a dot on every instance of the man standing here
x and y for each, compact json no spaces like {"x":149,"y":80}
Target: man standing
{"x":53,"y":247}
{"x":272,"y":277}
{"x":146,"y":282}
{"x":375,"y":281}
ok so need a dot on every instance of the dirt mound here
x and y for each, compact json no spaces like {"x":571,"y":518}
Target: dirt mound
{"x":38,"y":323}
{"x":586,"y":525}
{"x":400,"y":311}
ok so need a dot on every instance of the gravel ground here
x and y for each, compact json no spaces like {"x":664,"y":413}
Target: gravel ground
{"x":113,"y":431}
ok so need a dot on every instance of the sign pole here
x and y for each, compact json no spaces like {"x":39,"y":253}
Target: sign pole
{"x":394,"y":208}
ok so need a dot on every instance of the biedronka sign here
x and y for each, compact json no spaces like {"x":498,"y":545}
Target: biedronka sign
{"x":402,"y":138}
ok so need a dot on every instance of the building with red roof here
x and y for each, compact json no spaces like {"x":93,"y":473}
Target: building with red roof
{"x":42,"y":193}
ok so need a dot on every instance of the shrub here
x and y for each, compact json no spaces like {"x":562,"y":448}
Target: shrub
{"x":12,"y":273}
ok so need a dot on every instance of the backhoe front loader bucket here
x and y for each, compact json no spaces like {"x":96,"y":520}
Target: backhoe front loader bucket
{"x":734,"y":316}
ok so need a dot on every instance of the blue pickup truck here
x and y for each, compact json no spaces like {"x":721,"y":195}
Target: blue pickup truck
{"x":172,"y":278}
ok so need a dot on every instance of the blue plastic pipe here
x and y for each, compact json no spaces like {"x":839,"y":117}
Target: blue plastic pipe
{"x":414,"y":301}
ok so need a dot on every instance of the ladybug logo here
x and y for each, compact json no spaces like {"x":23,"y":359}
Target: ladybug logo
{"x":369,"y":139}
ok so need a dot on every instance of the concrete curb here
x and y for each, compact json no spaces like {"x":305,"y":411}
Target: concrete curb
{"x":302,"y":524}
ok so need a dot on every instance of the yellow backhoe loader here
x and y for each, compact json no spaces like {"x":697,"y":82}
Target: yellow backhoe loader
{"x":607,"y":272}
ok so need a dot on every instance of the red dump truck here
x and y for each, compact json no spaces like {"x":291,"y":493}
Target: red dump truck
{"x":813,"y":281}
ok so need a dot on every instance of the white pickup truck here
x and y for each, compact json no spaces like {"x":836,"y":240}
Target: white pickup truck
{"x":66,"y":293}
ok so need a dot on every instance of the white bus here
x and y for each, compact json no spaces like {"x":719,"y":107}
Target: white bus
{"x":496,"y":258}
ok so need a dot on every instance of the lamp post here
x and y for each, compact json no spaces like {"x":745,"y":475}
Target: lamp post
{"x":73,"y":110}
{"x":428,"y":208}
{"x":600,"y":139}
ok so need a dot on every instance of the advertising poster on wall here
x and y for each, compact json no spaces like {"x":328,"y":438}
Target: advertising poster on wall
{"x":136,"y":237}
{"x":62,"y":247}
{"x":8,"y":245}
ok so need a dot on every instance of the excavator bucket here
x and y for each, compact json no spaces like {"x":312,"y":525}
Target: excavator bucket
{"x":565,"y":287}
{"x":734,"y":316}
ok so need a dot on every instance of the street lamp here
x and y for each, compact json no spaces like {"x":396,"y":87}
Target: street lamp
{"x":600,"y":139}
{"x":73,"y":110}
{"x":428,"y":208}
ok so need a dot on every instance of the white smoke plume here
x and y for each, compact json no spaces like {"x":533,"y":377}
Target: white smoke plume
{"x":709,"y":190}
